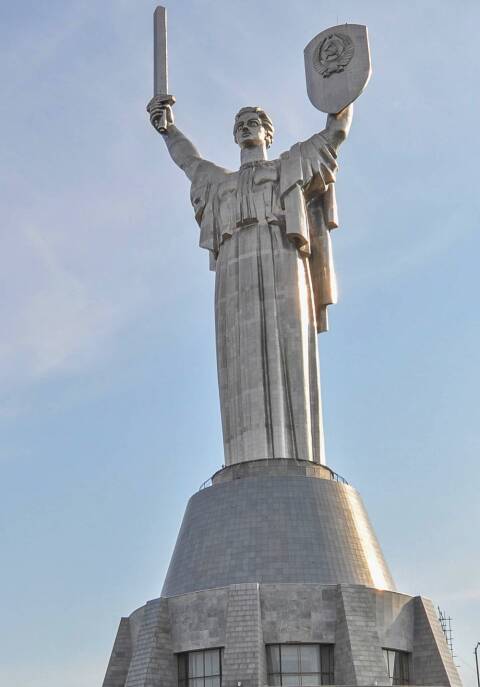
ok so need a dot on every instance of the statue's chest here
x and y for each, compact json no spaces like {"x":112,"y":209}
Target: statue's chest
{"x":251,"y":194}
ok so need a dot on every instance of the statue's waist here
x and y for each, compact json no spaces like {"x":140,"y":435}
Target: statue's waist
{"x":228,"y":230}
{"x":270,"y":219}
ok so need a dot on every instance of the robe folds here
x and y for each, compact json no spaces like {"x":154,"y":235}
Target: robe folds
{"x":267,"y":230}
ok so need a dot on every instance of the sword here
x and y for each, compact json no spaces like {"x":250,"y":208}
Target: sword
{"x":160,"y":64}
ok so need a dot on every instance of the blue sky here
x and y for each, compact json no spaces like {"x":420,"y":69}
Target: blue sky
{"x":109,"y":416}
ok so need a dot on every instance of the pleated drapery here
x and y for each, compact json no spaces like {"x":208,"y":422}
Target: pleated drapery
{"x":267,"y":358}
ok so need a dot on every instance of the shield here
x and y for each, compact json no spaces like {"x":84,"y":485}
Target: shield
{"x":337,"y":66}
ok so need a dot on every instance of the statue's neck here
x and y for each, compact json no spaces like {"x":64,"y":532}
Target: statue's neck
{"x":252,"y":154}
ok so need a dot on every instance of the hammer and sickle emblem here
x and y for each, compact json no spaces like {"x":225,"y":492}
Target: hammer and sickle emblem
{"x":333,"y":54}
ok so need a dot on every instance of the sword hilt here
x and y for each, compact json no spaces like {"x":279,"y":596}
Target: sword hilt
{"x":160,"y":123}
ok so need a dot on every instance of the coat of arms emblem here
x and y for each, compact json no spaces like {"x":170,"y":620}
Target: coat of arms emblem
{"x":333,"y":54}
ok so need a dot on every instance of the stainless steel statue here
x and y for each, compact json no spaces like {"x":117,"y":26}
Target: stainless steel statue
{"x":267,"y":229}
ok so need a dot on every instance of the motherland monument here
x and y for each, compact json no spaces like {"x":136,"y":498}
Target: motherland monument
{"x":277,"y":577}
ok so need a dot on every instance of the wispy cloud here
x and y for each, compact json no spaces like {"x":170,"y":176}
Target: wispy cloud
{"x":57,"y":318}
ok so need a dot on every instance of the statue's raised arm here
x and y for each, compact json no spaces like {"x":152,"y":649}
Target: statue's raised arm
{"x":181,"y":149}
{"x":338,"y":127}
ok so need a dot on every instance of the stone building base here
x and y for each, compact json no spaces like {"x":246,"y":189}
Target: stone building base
{"x":359,"y":621}
{"x":278,"y":552}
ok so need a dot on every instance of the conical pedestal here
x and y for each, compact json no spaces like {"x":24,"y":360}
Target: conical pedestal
{"x":277,"y":560}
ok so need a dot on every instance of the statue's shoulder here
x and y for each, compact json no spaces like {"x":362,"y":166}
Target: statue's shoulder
{"x":208,"y":173}
{"x":205,"y":182}
{"x":308,"y":147}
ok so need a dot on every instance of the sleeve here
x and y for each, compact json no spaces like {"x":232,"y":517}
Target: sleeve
{"x":319,"y":168}
{"x":203,"y":198}
{"x":319,"y":164}
{"x":307,"y":190}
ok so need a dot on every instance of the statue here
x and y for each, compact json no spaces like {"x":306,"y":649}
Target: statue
{"x":267,"y":229}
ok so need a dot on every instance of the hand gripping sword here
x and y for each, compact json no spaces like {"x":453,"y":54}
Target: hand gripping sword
{"x":160,"y":64}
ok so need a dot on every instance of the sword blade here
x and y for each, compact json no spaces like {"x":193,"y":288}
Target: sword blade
{"x":160,"y":56}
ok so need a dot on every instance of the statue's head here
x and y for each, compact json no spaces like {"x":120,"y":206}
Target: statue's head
{"x":253,"y":127}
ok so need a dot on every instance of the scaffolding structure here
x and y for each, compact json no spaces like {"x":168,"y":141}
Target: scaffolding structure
{"x":446,"y":623}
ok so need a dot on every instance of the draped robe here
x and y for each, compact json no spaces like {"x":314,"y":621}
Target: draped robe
{"x":266,"y":228}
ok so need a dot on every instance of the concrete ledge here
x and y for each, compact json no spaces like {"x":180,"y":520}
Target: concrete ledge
{"x":274,"y":468}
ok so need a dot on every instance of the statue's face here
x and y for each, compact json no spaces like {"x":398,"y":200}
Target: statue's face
{"x":249,"y":130}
